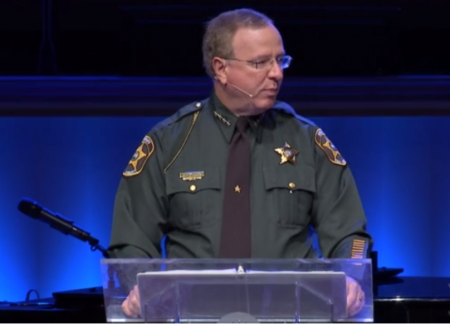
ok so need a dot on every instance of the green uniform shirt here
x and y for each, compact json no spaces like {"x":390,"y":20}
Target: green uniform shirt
{"x":173,"y":186}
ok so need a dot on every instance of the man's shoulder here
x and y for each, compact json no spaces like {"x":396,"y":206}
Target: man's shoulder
{"x":315,"y":132}
{"x":181,"y":117}
{"x":287,"y":111}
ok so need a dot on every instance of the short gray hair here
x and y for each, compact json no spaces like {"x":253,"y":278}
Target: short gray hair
{"x":219,"y":33}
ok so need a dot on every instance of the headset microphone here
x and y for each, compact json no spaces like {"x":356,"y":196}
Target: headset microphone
{"x":244,"y":92}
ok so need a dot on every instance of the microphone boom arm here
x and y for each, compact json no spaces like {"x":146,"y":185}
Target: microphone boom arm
{"x":78,"y":233}
{"x":60,"y":223}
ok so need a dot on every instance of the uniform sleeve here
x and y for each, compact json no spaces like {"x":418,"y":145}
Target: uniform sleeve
{"x":140,"y":208}
{"x":338,"y":216}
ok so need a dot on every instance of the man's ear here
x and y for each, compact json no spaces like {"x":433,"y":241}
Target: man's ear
{"x":219,"y":66}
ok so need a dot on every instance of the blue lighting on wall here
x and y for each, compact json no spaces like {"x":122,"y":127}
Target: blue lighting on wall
{"x":73,"y":166}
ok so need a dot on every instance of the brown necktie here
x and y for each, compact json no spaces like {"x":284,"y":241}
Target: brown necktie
{"x":236,"y":234}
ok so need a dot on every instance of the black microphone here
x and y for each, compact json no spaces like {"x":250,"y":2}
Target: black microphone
{"x":34,"y":210}
{"x":66,"y":226}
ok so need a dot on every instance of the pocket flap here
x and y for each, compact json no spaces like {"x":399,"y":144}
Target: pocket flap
{"x":205,"y":178}
{"x":299,"y":178}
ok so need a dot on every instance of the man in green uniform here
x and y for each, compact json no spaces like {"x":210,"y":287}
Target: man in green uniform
{"x":178,"y":181}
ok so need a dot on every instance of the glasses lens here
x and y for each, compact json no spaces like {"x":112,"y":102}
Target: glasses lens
{"x":285,"y":61}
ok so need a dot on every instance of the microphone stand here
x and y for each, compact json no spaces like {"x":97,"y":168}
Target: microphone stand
{"x":95,"y":246}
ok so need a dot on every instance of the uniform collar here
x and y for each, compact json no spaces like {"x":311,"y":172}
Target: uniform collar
{"x":227,"y":120}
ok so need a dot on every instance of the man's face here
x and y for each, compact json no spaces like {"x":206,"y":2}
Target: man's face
{"x":255,"y":68}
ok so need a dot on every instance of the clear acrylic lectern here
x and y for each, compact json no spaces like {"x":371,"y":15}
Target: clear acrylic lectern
{"x":232,"y":291}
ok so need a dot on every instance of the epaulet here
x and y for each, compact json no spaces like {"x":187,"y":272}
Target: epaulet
{"x":182,"y":112}
{"x":289,"y":110}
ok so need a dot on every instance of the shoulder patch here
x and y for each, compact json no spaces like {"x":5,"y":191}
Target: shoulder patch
{"x":140,"y":157}
{"x":328,"y":147}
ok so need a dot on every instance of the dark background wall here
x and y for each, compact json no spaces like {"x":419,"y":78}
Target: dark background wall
{"x":161,"y":38}
{"x":72,"y":111}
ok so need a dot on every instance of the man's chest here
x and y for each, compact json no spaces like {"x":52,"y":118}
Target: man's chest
{"x":282,"y":183}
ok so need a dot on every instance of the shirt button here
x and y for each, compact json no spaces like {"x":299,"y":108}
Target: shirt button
{"x":291,"y":185}
{"x":192,"y":187}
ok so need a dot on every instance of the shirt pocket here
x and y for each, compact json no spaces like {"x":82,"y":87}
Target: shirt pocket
{"x":193,"y":203}
{"x":289,"y":194}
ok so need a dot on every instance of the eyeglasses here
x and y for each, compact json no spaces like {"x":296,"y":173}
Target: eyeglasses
{"x":283,"y":62}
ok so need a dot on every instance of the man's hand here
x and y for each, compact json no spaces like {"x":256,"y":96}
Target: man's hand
{"x":131,"y":305}
{"x":355,"y":297}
